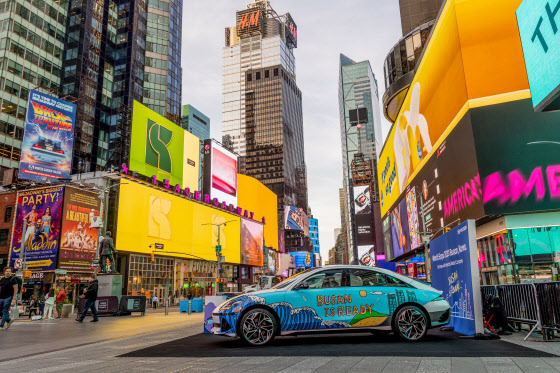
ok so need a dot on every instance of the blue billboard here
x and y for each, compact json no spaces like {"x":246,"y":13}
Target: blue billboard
{"x":46,"y":151}
{"x":455,"y":272}
{"x":537,"y":22}
{"x":302,"y":259}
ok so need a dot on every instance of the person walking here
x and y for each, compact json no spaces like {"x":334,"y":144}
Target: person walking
{"x":91,"y":296}
{"x":33,"y":306}
{"x":49,"y":305}
{"x":60,"y":298}
{"x":155,"y":302}
{"x":8,"y":291}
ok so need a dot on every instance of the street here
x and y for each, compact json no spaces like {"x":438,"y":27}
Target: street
{"x":174,"y":343}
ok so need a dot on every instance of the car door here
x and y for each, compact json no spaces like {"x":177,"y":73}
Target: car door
{"x":314,"y":306}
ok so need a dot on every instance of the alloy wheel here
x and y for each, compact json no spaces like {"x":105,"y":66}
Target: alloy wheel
{"x":411,"y":323}
{"x":258,"y":327}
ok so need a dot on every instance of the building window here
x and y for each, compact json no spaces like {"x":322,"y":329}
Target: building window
{"x":258,"y":75}
{"x":267,"y":74}
{"x":276,"y":72}
{"x":4,"y":233}
{"x":249,"y":77}
{"x":8,"y":214}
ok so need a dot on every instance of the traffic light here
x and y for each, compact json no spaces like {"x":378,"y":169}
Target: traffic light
{"x":152,"y":258}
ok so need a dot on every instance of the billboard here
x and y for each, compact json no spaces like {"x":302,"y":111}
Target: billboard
{"x":519,"y":160}
{"x":250,"y":21}
{"x":485,"y":72}
{"x":296,"y":219}
{"x":537,"y":30}
{"x":46,"y":149}
{"x":38,"y":212}
{"x":366,"y":255}
{"x":291,"y":30}
{"x":78,"y":243}
{"x":455,"y":272}
{"x":363,"y":215}
{"x":148,"y":216}
{"x":160,"y":148}
{"x":251,"y":243}
{"x":302,"y":259}
{"x":220,"y":173}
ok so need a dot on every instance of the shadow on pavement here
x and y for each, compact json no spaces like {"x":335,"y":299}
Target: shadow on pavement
{"x":436,"y":344}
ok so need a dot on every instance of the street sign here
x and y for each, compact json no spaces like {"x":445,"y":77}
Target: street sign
{"x":218,"y":248}
{"x":18,"y":263}
{"x":159,"y":246}
{"x":94,"y":264}
{"x":40,"y":263}
{"x":60,"y":272}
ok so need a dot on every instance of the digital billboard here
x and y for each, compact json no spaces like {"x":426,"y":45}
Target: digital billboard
{"x":302,"y":259}
{"x":220,"y":173}
{"x":538,"y":33}
{"x":78,"y":243}
{"x":519,"y":159}
{"x":400,"y":230}
{"x":490,"y":70}
{"x":160,"y":148}
{"x":148,"y":216}
{"x":251,"y":243}
{"x":296,"y":219}
{"x":363,"y":215}
{"x":38,"y":213}
{"x":291,"y":30}
{"x":46,"y":149}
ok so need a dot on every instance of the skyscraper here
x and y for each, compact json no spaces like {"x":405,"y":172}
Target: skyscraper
{"x":31,"y":52}
{"x":417,"y":12}
{"x":118,"y":51}
{"x":195,"y":122}
{"x":360,"y":126}
{"x":262,"y":105}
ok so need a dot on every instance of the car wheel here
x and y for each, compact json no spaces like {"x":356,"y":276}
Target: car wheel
{"x":410,"y":323}
{"x":258,"y":327}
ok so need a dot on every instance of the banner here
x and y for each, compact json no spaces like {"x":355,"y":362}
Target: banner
{"x":46,"y":149}
{"x":363,"y":216}
{"x":78,"y":240}
{"x":296,"y":219}
{"x":455,"y":272}
{"x":38,"y":212}
{"x":251,"y":243}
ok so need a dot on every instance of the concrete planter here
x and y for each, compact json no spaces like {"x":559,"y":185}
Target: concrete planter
{"x":67,"y":310}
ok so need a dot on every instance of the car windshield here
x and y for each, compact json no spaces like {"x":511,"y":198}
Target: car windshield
{"x":291,"y":280}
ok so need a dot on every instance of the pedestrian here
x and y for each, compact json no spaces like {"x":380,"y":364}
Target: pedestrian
{"x":90,"y":294}
{"x":60,"y":298}
{"x":8,"y":290}
{"x":49,"y":305}
{"x":33,"y":306}
{"x":155,"y":302}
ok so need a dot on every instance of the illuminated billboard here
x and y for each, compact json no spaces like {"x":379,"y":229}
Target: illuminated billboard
{"x":302,"y":259}
{"x":220,"y":173}
{"x":291,"y":31}
{"x":296,"y":219}
{"x":250,"y":21}
{"x":363,"y":216}
{"x":490,"y":70}
{"x":538,"y":32}
{"x":46,"y":149}
{"x":251,"y":243}
{"x":160,"y":148}
{"x":78,"y":243}
{"x":148,"y":216}
{"x":37,"y":228}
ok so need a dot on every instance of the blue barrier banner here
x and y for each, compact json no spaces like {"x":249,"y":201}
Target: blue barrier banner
{"x":455,"y":272}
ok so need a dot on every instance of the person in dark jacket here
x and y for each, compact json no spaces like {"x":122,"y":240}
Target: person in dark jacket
{"x":91,"y":296}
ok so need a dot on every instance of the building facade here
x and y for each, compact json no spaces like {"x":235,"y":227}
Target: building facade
{"x":262,"y":117}
{"x":7,"y":207}
{"x":195,"y":122}
{"x":417,"y":12}
{"x":360,"y":130}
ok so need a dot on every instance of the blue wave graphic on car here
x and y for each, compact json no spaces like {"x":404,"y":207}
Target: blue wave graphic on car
{"x":303,"y":318}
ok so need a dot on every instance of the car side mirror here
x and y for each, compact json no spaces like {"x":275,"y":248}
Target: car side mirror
{"x":302,"y":285}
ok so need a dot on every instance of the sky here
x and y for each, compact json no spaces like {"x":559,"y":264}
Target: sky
{"x":360,"y":29}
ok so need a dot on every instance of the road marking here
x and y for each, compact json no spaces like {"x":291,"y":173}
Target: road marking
{"x":66,"y":366}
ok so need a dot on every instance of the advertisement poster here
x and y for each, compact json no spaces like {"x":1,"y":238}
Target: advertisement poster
{"x":223,"y":174}
{"x":40,"y":212}
{"x":413,"y":223}
{"x":387,"y":237}
{"x":366,"y":255}
{"x":46,"y":150}
{"x":78,"y":242}
{"x":455,"y":273}
{"x":296,"y":219}
{"x":251,"y":243}
{"x":400,"y":230}
{"x":302,"y":259}
{"x":363,"y":215}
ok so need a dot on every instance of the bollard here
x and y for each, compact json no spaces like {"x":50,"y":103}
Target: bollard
{"x":190,"y":306}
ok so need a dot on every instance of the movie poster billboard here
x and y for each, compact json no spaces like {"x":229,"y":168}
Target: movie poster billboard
{"x":252,"y":242}
{"x":78,"y":243}
{"x":455,"y":272}
{"x":37,"y":229}
{"x":296,"y":219}
{"x":363,"y":215}
{"x":46,"y":150}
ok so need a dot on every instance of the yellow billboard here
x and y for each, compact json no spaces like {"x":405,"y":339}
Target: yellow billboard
{"x":473,"y":58}
{"x":148,"y":215}
{"x":255,"y":196}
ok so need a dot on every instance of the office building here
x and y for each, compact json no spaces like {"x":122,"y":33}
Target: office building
{"x":32,"y":45}
{"x":417,"y":12}
{"x":262,"y":106}
{"x":360,"y":126}
{"x":117,"y":52}
{"x":195,"y":122}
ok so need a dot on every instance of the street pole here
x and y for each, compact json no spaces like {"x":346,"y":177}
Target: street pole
{"x":166,"y":295}
{"x":218,"y":255}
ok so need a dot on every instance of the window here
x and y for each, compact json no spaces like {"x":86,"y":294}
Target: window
{"x":365,"y":277}
{"x":276,"y":72}
{"x":8,"y":214}
{"x":326,"y":279}
{"x":267,"y":74}
{"x":4,"y":233}
{"x":258,"y":75}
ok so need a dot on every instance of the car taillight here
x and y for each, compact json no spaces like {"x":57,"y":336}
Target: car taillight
{"x":60,"y":151}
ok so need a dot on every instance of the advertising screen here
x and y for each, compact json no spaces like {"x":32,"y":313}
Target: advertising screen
{"x":160,"y":148}
{"x":472,"y":55}
{"x":363,"y":215}
{"x":38,"y":213}
{"x":224,"y":174}
{"x":296,"y":219}
{"x":399,"y":229}
{"x":291,"y":30}
{"x":148,"y":216}
{"x":302,"y":259}
{"x":387,"y":237}
{"x":250,"y":21}
{"x":46,"y":149}
{"x":251,"y":243}
{"x":455,"y":272}
{"x":78,"y":242}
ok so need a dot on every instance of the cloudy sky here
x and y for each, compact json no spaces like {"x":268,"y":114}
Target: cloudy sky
{"x":360,"y":29}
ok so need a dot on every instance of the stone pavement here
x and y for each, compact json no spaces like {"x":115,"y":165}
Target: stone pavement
{"x":96,"y":347}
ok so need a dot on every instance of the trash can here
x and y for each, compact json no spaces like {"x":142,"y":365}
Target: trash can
{"x":197,"y":305}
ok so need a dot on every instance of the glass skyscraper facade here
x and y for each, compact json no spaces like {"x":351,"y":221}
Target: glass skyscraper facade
{"x":31,"y":55}
{"x":360,"y":128}
{"x":195,"y":122}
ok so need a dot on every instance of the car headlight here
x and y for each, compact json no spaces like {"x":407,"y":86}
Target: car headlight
{"x":438,"y":299}
{"x":232,"y":303}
